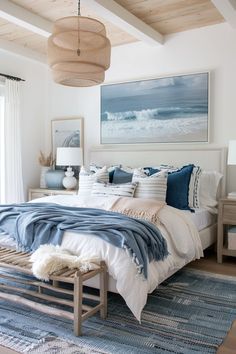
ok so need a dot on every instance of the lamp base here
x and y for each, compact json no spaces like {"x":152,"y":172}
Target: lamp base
{"x":232,"y":195}
{"x":69,"y":182}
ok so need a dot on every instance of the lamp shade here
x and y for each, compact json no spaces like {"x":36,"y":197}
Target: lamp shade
{"x":232,"y":152}
{"x":78,"y":51}
{"x":69,"y":156}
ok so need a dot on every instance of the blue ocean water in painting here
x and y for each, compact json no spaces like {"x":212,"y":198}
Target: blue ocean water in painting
{"x":161,"y":110}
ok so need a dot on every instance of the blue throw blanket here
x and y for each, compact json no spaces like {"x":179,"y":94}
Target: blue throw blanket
{"x":34,"y":224}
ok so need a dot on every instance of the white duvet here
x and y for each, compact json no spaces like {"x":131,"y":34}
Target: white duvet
{"x":182,"y":238}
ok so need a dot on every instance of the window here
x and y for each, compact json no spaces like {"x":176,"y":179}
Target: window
{"x":2,"y":145}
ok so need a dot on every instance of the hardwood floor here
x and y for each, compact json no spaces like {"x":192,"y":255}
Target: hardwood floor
{"x":209,"y":264}
{"x":4,"y":350}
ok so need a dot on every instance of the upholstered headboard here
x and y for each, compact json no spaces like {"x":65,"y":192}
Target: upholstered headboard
{"x":210,"y":158}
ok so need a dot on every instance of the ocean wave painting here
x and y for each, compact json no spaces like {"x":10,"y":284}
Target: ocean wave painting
{"x":166,"y":110}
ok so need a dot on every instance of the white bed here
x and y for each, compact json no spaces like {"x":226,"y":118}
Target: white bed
{"x":206,"y":224}
{"x":209,"y":157}
{"x":180,"y":230}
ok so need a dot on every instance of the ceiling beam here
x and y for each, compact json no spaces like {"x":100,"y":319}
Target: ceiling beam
{"x":227,"y":8}
{"x":119,"y":16}
{"x":18,"y":49}
{"x":108,"y":9}
{"x":24,"y":18}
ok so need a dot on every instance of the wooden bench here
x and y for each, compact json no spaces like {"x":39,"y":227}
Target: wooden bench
{"x":15,"y":263}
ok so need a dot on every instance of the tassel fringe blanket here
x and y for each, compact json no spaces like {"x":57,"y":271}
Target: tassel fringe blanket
{"x":34,"y":224}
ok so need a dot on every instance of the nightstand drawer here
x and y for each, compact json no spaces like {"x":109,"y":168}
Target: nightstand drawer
{"x":35,"y":195}
{"x":229,"y":213}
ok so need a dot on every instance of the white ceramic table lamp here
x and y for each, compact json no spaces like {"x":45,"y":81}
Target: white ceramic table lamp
{"x":69,"y":156}
{"x":232,"y":161}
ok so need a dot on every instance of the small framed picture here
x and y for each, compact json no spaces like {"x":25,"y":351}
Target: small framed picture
{"x":67,"y":132}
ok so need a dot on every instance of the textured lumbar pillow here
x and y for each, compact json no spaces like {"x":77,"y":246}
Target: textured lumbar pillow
{"x":153,"y":187}
{"x":87,"y":179}
{"x":109,"y":189}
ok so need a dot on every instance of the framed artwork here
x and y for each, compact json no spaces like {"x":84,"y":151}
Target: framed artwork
{"x":172,"y":109}
{"x":67,"y":132}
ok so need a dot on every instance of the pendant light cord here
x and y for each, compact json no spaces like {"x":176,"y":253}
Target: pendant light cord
{"x":79,"y":14}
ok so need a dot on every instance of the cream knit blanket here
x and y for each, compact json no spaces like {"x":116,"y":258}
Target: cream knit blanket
{"x":140,"y":208}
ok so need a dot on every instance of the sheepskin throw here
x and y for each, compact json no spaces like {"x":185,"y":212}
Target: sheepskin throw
{"x":49,"y":259}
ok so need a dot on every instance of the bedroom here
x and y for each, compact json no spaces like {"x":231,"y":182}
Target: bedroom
{"x":195,"y":49}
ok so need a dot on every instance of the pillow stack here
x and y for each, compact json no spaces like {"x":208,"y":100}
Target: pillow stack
{"x":184,"y":188}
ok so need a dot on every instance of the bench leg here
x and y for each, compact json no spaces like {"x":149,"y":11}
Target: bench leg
{"x":103,"y":290}
{"x":78,"y":297}
{"x":55,"y":283}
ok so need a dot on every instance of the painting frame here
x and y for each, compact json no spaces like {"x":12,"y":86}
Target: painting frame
{"x":71,"y":124}
{"x":202,"y":137}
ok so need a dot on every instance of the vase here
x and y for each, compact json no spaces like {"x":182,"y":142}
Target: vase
{"x":42,"y":182}
{"x":54,"y":179}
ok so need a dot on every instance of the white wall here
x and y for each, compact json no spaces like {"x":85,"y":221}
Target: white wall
{"x":33,"y":111}
{"x":211,"y":48}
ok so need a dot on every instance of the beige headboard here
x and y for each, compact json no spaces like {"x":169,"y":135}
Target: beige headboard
{"x":210,"y":157}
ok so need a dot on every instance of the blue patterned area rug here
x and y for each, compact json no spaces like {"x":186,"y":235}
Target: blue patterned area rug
{"x":189,"y":313}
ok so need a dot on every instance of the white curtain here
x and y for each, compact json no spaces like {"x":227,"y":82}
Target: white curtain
{"x":2,"y":154}
{"x":12,"y":144}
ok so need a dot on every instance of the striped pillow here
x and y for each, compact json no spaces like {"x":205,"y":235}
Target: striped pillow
{"x":153,"y":187}
{"x":194,"y":188}
{"x":87,"y":179}
{"x":111,"y":169}
{"x":110,"y":189}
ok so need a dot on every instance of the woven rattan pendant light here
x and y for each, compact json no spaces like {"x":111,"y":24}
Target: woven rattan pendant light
{"x":78,"y":51}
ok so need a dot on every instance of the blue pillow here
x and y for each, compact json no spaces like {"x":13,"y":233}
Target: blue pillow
{"x":120,"y":176}
{"x":151,"y":170}
{"x":111,"y":174}
{"x":178,"y":188}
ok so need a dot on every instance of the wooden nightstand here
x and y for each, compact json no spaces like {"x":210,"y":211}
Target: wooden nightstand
{"x":226,"y":217}
{"x":44,"y":192}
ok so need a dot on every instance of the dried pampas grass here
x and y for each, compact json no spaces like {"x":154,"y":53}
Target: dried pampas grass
{"x":46,"y":160}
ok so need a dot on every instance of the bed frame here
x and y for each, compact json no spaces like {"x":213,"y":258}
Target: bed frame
{"x":210,"y":157}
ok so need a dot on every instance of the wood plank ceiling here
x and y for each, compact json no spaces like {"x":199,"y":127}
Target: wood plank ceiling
{"x":166,"y":16}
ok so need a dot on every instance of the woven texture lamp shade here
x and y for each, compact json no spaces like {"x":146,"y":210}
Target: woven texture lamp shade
{"x":79,"y":51}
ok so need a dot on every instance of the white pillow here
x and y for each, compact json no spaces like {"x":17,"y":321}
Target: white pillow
{"x":209,"y":185}
{"x":110,"y":189}
{"x":87,"y":179}
{"x":152,"y":187}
